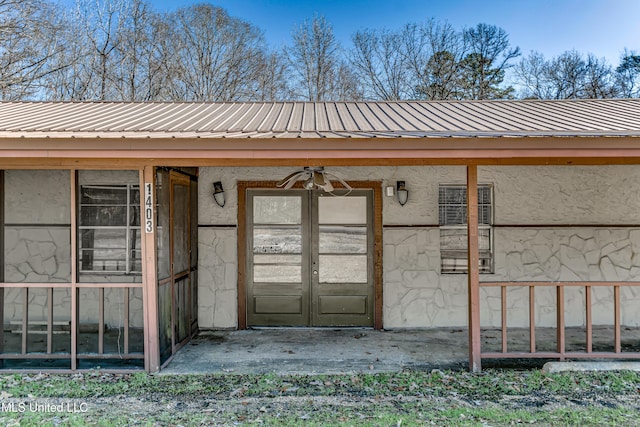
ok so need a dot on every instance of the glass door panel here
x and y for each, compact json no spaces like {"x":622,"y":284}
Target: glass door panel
{"x":277,"y":210}
{"x":343,"y":269}
{"x":342,"y":257}
{"x":276,"y":267}
{"x":342,"y":210}
{"x":342,"y":253}
{"x":342,"y":239}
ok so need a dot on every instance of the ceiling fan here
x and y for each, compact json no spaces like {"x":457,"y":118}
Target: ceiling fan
{"x":313,"y":177}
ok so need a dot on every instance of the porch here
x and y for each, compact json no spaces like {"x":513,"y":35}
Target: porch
{"x":362,"y":350}
{"x":522,"y":216}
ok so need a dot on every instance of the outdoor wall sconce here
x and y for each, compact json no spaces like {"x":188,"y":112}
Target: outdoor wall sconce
{"x":218,"y":193}
{"x":402,"y":193}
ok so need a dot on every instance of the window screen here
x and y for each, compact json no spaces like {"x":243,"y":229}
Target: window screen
{"x":452,"y":201}
{"x":452,"y":208}
{"x":109,"y":229}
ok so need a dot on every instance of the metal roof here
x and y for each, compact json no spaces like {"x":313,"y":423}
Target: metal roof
{"x":405,"y":119}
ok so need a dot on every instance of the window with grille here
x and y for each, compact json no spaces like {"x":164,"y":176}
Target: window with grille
{"x":452,"y":206}
{"x":109,"y":229}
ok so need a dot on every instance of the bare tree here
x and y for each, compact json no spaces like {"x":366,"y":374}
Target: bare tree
{"x":599,"y":81}
{"x":628,"y":75}
{"x":319,"y":71}
{"x":567,"y":76}
{"x":134,"y":60}
{"x":111,"y":52}
{"x":71,"y":76}
{"x":344,"y":84}
{"x":122,"y":50}
{"x":28,"y":43}
{"x":377,"y":59}
{"x":489,"y":55}
{"x":102,"y":22}
{"x":215,"y":57}
{"x":561,"y":77}
{"x":530,"y":74}
{"x":434,"y":53}
{"x":161,"y":67}
{"x":271,"y":83}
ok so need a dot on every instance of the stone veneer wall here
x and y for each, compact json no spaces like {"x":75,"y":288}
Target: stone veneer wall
{"x":574,"y":255}
{"x":415,"y":294}
{"x":42,"y":254}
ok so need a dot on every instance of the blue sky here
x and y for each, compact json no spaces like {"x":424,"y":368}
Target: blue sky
{"x":601,"y":27}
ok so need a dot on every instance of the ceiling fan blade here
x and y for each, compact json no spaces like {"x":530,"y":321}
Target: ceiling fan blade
{"x":318,"y":179}
{"x":290,"y":183}
{"x":341,"y":181}
{"x":328,"y":187}
{"x":284,"y":181}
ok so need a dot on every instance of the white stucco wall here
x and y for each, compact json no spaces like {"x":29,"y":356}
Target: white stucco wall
{"x":415,"y":294}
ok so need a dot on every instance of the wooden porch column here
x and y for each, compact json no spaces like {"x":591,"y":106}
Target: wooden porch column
{"x":2,"y":269}
{"x":149,"y":277}
{"x":474,"y":269}
{"x":74,"y":271}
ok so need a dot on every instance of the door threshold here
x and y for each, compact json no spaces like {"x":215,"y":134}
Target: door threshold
{"x":308,"y":328}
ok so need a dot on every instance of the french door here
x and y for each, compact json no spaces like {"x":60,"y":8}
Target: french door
{"x":309,"y":258}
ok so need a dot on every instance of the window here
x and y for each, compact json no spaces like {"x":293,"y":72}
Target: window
{"x":109,"y":229}
{"x":452,"y":204}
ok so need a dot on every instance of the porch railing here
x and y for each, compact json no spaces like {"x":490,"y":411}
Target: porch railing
{"x":561,"y":353}
{"x":62,"y":335}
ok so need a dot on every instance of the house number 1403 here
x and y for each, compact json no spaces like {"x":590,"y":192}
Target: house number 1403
{"x":148,"y":208}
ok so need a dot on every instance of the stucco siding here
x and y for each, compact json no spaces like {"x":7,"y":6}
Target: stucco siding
{"x":555,"y":223}
{"x":564,"y":194}
{"x":552,"y":223}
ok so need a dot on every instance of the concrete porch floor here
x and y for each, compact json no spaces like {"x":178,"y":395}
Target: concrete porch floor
{"x":320,"y":351}
{"x":355,"y":350}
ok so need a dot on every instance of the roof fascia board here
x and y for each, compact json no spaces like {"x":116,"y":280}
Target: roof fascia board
{"x":243,"y":144}
{"x":114,"y":163}
{"x":372,"y":151}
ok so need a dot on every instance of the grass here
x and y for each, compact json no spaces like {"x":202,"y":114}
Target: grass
{"x":494,"y":397}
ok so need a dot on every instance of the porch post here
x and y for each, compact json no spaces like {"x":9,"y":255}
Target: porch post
{"x":149,"y":277}
{"x":2,"y":267}
{"x":474,"y":271}
{"x":73,"y":174}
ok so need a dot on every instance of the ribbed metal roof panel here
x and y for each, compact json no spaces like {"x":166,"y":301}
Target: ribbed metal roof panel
{"x":421,"y":121}
{"x":282,"y":120}
{"x":411,"y":119}
{"x":269,"y":120}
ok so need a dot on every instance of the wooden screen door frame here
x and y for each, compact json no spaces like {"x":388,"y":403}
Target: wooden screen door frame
{"x":179,"y":179}
{"x":243,"y":186}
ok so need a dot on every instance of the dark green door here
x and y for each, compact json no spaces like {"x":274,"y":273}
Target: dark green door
{"x":309,"y":258}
